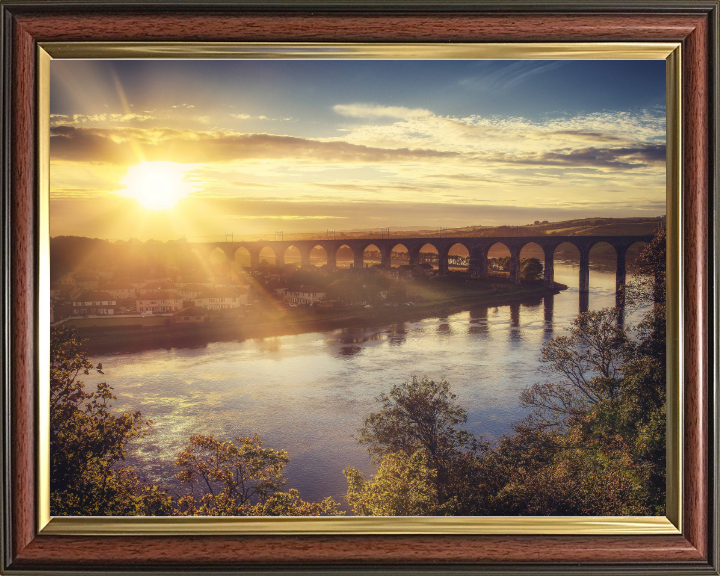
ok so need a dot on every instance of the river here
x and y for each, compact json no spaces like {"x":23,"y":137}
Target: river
{"x":309,"y":393}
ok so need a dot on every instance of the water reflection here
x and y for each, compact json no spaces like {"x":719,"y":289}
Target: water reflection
{"x":350,"y":350}
{"x":584,"y":301}
{"x":309,"y":393}
{"x":478,"y":320}
{"x":444,"y":327}
{"x":548,"y":305}
{"x":397,"y":334}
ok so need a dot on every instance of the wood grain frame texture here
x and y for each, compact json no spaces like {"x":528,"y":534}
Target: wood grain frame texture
{"x":693,"y":23}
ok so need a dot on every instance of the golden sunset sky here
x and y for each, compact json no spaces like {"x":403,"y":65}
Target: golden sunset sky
{"x":161,"y":149}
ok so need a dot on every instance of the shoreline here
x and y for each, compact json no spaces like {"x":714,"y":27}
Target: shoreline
{"x":100,"y":340}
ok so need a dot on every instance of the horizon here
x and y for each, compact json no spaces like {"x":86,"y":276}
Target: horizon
{"x":344,"y":234}
{"x":163,"y":149}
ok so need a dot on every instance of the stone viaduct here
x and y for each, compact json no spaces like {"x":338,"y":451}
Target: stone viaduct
{"x":478,"y":249}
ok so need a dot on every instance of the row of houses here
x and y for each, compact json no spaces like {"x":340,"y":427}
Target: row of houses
{"x":302,"y":294}
{"x":156,"y":302}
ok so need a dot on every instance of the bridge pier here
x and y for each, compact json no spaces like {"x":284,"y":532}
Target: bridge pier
{"x":331,"y":258}
{"x":254,"y":258}
{"x":358,"y":259}
{"x":304,"y":259}
{"x":280,"y":258}
{"x":549,"y":270}
{"x":443,"y":267}
{"x":386,"y":259}
{"x":414,"y":257}
{"x":478,"y":265}
{"x":515,"y":265}
{"x":584,"y":271}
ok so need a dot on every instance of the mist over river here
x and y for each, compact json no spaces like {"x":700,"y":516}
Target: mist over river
{"x":309,"y":393}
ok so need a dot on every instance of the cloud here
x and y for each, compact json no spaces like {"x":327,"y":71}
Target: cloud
{"x":509,"y":75}
{"x":584,"y":135}
{"x":379,"y":111}
{"x":64,"y":119}
{"x":132,"y":145}
{"x":617,"y":158}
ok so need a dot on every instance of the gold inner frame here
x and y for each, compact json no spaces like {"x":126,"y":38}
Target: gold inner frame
{"x":585,"y":525}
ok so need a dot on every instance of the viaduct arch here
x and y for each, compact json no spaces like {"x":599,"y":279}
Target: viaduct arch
{"x":478,"y":249}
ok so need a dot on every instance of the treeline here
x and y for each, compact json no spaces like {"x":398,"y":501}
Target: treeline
{"x":131,"y":258}
{"x":592,"y":444}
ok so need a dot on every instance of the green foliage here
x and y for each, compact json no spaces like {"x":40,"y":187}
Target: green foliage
{"x":588,"y":365}
{"x":239,"y":478}
{"x":501,"y":263}
{"x":420,"y":415}
{"x":403,"y":486}
{"x":530,"y":269}
{"x":648,"y":285}
{"x":87,"y":442}
{"x":348,"y":290}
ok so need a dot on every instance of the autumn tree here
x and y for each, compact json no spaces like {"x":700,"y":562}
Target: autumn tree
{"x":420,"y":415}
{"x":88,"y":442}
{"x":403,"y":486}
{"x":239,"y":478}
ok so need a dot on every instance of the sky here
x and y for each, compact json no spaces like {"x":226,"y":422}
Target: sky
{"x":198,"y":148}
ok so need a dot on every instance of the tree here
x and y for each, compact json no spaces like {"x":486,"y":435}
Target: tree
{"x":88,"y":442}
{"x":648,"y":284}
{"x":588,"y":365}
{"x":403,"y":486}
{"x":239,"y":478}
{"x":420,"y":415}
{"x":530,"y":269}
{"x":347,"y":290}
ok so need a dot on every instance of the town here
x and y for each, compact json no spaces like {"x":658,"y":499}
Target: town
{"x":168,"y":293}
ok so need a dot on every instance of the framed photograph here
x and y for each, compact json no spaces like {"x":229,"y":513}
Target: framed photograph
{"x":360,"y":288}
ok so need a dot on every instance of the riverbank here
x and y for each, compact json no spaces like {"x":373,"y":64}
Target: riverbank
{"x":134,"y":338}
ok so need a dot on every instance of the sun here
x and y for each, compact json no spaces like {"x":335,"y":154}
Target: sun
{"x":157,"y":185}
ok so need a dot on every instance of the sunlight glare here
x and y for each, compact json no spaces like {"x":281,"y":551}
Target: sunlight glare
{"x":157,"y":185}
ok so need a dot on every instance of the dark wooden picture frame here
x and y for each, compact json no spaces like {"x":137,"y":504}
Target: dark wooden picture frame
{"x":692,"y":23}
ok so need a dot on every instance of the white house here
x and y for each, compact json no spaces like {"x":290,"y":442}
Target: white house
{"x":220,"y":299}
{"x":94,"y":303}
{"x":158,"y":302}
{"x":303,"y":295}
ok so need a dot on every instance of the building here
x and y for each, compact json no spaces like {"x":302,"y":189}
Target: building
{"x":220,"y":299}
{"x":156,"y":302}
{"x":94,"y":303}
{"x":120,"y":290}
{"x":155,"y":286}
{"x":303,"y":295}
{"x":190,"y":315}
{"x":190,"y":291}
